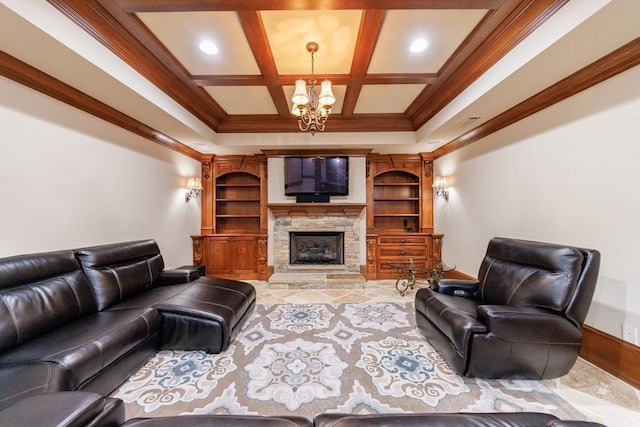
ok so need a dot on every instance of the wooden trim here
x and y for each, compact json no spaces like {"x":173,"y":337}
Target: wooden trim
{"x":622,"y":59}
{"x":130,"y":40}
{"x":359,"y":152}
{"x":499,"y":32}
{"x":132,"y":6}
{"x":611,"y":354}
{"x":336,"y":123}
{"x":33,"y":78}
{"x":308,"y":209}
{"x":370,"y":27}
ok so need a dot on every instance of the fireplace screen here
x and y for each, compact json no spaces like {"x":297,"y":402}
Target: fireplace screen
{"x":316,"y":247}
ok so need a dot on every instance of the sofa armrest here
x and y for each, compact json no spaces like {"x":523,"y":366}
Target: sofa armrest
{"x":457,"y":287}
{"x":184,"y":274}
{"x":67,"y":408}
{"x":513,"y":324}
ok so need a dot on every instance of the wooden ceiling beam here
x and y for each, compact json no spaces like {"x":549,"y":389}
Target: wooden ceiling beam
{"x":618,"y":61}
{"x":493,"y":38}
{"x":336,"y":123}
{"x":121,"y":34}
{"x":256,"y":34}
{"x":18,"y":71}
{"x":133,"y":6}
{"x":289,"y":80}
{"x":370,"y":27}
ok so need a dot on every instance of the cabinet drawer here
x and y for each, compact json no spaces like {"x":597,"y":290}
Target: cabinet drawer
{"x":403,"y":240}
{"x":400,"y":251}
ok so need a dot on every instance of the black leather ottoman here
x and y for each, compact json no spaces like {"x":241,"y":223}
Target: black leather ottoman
{"x":207,"y":315}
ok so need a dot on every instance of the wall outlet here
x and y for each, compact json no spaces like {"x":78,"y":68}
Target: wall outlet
{"x":630,"y":334}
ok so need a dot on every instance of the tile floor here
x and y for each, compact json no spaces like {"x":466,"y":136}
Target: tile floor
{"x":599,"y":395}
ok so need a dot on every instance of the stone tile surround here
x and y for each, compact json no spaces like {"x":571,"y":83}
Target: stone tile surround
{"x":316,"y":276}
{"x":349,"y":225}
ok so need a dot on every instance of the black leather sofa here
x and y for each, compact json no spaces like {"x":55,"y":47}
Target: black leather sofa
{"x":521,"y":319}
{"x":520,"y":419}
{"x":86,"y":319}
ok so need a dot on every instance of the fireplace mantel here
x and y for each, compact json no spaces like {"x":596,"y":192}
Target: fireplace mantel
{"x":315,"y":209}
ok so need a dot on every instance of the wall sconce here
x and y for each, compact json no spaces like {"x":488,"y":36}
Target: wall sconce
{"x":194,"y":187}
{"x":441,"y":187}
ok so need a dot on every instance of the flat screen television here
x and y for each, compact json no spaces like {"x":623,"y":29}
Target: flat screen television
{"x":316,"y":175}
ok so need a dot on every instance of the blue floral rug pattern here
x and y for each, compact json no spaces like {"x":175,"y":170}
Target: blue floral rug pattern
{"x":304,"y":359}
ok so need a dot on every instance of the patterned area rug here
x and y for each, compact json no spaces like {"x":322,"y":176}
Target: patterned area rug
{"x":304,"y":359}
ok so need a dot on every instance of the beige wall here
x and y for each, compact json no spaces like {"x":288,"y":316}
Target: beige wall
{"x":568,"y":175}
{"x":68,"y":179}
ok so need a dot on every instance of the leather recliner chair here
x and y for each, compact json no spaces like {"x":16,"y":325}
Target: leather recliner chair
{"x":521,"y":319}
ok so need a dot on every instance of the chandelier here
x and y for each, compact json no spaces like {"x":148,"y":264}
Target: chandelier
{"x":312,"y":110}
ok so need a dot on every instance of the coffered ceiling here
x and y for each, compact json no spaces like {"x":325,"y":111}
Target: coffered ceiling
{"x":246,"y":87}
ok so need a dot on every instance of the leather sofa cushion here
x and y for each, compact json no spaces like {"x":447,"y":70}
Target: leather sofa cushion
{"x":455,"y":317}
{"x":40,"y":293}
{"x":519,"y":419}
{"x":220,"y":421}
{"x":29,"y":379}
{"x":120,"y":271}
{"x":69,"y":409}
{"x":151,"y":297}
{"x":529,"y":274}
{"x":83,"y":348}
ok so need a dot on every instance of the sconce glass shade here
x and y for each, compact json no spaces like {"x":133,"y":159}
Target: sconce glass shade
{"x":194,"y":184}
{"x":326,"y":94}
{"x":194,"y":187}
{"x":440,"y":182}
{"x":441,"y":187}
{"x":300,"y":96}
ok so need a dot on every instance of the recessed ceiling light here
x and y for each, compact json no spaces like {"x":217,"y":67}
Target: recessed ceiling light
{"x":418,"y":45}
{"x":209,"y":47}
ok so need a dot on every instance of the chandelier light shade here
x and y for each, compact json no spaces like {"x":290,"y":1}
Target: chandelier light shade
{"x":312,"y":110}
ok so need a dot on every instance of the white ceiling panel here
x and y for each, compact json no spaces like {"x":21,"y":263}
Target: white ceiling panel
{"x":386,"y":98}
{"x":182,"y":33}
{"x":336,"y":32}
{"x":444,"y":30}
{"x":243,"y":99}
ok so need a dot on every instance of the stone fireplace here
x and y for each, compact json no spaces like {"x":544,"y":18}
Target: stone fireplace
{"x":328,"y":236}
{"x":316,"y":248}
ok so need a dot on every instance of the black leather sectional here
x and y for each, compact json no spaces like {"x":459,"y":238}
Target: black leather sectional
{"x":75,"y":324}
{"x":86,"y":319}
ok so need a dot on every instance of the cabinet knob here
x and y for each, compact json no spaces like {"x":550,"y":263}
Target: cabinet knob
{"x":402,"y":241}
{"x":402,"y":252}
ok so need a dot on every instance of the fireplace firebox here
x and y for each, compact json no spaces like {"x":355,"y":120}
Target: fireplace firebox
{"x":316,"y":247}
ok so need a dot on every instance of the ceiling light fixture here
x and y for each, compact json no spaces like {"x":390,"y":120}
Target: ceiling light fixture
{"x":312,"y":110}
{"x":209,"y":47}
{"x":418,"y":45}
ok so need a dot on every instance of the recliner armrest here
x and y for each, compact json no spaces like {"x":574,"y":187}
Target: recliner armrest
{"x":184,"y":274}
{"x":514,"y":324}
{"x":456,"y":287}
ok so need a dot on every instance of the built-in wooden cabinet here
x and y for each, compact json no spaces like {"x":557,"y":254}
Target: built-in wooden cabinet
{"x":399,"y":213}
{"x":233,"y":239}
